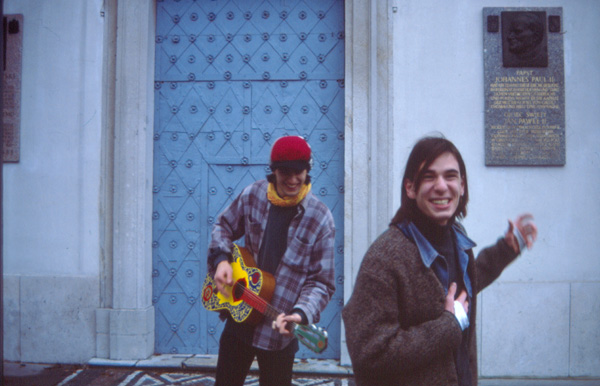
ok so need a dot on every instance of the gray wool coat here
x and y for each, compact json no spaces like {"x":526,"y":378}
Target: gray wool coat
{"x":397,"y":329}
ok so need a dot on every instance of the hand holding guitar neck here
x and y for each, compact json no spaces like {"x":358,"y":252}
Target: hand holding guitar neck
{"x":286,"y":323}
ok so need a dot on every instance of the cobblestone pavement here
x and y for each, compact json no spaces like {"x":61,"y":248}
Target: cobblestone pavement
{"x":61,"y":375}
{"x":17,"y":374}
{"x":117,"y":377}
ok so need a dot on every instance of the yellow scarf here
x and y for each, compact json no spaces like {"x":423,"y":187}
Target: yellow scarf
{"x":288,"y":201}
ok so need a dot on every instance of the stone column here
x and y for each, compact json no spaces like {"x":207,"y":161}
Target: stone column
{"x":125,"y":321}
{"x":368,"y":134}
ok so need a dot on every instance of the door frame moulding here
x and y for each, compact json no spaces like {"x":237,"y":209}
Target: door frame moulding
{"x":125,"y":319}
{"x":368,"y":134}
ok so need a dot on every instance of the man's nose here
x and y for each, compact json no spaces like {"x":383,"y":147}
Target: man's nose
{"x":440,"y":183}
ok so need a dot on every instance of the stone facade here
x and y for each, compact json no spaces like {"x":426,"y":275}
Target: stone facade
{"x":77,"y":207}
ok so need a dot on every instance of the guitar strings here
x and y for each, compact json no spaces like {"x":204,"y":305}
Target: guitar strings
{"x":270,"y":311}
{"x":254,"y":297}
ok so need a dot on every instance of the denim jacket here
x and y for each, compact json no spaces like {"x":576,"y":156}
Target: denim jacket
{"x":432,"y":259}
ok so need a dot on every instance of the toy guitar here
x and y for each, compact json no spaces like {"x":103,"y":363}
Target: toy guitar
{"x":250,"y":296}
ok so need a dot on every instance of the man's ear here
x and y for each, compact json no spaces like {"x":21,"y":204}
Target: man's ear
{"x":410,"y":189}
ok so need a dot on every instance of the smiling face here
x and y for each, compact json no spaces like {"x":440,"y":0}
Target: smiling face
{"x":289,"y":181}
{"x":440,"y":188}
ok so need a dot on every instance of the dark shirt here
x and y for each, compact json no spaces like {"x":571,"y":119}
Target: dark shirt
{"x":272,"y":248}
{"x":274,"y":241}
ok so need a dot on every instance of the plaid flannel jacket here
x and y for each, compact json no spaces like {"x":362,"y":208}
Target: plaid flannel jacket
{"x":306,"y":274}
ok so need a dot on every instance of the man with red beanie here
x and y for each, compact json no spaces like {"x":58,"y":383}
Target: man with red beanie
{"x":290,"y":234}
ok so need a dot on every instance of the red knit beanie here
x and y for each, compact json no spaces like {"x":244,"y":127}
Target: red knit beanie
{"x":291,"y":152}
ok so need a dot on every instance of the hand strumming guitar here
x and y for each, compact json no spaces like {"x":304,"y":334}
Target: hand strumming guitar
{"x":224,"y":278}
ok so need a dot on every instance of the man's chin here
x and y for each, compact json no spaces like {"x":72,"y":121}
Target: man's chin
{"x":441,"y":219}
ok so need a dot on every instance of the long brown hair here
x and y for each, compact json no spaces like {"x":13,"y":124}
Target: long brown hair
{"x":425,"y":151}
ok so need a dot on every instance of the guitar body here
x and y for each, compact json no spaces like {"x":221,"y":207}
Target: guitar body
{"x":257,"y":282}
{"x":250,"y":296}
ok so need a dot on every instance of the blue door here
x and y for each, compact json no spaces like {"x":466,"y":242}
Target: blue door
{"x":231,"y":77}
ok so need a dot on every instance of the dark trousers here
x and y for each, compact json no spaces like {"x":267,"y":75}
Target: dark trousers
{"x":235,"y":358}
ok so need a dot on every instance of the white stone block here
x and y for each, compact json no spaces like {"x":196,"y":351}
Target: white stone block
{"x":131,"y":347}
{"x":102,"y":333}
{"x":103,"y":320}
{"x":12,"y":318}
{"x":585,"y":330}
{"x":131,"y":333}
{"x":525,"y":330}
{"x":58,"y":319}
{"x":131,"y":321}
{"x":102,"y":345}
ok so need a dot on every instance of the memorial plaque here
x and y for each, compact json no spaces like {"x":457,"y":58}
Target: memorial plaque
{"x":524,"y":86}
{"x":11,"y":87}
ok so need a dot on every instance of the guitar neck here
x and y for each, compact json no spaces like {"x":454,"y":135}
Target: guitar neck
{"x":313,"y":337}
{"x":257,"y":302}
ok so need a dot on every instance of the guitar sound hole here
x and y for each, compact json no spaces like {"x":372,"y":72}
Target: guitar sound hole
{"x":238,"y":290}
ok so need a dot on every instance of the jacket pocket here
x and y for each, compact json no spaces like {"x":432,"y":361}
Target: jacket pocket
{"x":254,"y":229}
{"x":297,"y":255}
